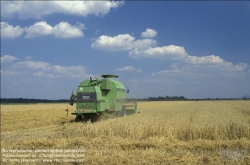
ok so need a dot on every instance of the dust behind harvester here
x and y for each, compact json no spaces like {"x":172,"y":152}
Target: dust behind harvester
{"x":100,"y":99}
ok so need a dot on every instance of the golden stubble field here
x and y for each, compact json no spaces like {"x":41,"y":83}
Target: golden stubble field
{"x":180,"y":132}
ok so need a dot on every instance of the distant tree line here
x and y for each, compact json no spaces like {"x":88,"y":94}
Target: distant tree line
{"x":29,"y":101}
{"x":167,"y":98}
{"x":160,"y":98}
{"x":182,"y":98}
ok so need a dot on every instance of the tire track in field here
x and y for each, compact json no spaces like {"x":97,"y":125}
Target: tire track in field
{"x":191,"y":119}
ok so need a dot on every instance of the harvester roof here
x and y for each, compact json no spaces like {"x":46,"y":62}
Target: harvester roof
{"x":109,"y":76}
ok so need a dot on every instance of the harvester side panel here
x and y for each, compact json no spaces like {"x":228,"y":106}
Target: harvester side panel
{"x":119,"y":92}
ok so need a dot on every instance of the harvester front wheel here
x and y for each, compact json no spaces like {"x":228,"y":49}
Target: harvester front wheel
{"x":78,"y":118}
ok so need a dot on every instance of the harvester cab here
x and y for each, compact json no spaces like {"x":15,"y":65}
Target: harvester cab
{"x":101,"y":98}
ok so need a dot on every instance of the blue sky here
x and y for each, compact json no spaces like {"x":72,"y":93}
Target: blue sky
{"x":191,"y":49}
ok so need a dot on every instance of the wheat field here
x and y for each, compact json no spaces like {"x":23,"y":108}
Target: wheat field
{"x":164,"y":132}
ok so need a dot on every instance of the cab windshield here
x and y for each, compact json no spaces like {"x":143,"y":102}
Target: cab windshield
{"x":86,"y":96}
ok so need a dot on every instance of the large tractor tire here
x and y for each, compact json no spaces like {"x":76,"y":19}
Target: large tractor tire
{"x":78,"y":118}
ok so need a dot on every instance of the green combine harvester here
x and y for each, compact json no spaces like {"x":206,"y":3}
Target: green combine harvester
{"x":101,"y":99}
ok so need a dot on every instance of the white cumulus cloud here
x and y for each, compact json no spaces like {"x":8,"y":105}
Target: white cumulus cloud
{"x":38,"y":29}
{"x":211,"y":59}
{"x":42,"y":69}
{"x":214,"y":62}
{"x":144,"y":44}
{"x":39,"y":65}
{"x":40,"y":79}
{"x":147,"y":48}
{"x":166,"y":52}
{"x":120,"y":42}
{"x":42,"y":28}
{"x":8,"y":59}
{"x":149,"y":33}
{"x":28,"y":57}
{"x":164,"y":72}
{"x":126,"y":68}
{"x":61,"y":30}
{"x":39,"y":9}
{"x":65,"y":30}
{"x":139,"y":70}
{"x":9,"y":31}
{"x":241,"y":66}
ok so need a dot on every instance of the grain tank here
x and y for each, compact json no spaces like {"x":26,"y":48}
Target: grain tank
{"x":101,"y":98}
